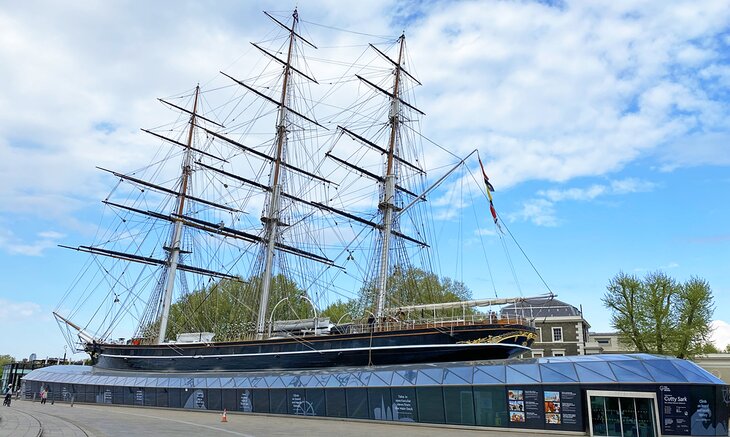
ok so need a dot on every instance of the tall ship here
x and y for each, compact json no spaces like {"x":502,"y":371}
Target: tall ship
{"x":265,"y":236}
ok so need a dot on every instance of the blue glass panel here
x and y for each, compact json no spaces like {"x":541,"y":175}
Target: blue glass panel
{"x":404,"y":378}
{"x":213,"y":382}
{"x":228,"y":382}
{"x":458,"y":375}
{"x":694,"y":373}
{"x":595,"y":371}
{"x":338,"y":380}
{"x":558,"y":372}
{"x":630,"y":371}
{"x":188,"y":382}
{"x":199,"y":382}
{"x":662,"y":370}
{"x":481,"y":377}
{"x":307,"y":381}
{"x":498,"y":372}
{"x":319,"y":380}
{"x":385,"y":376}
{"x":430,"y":376}
{"x":274,"y":382}
{"x":150,"y":382}
{"x":290,"y":381}
{"x":358,"y":379}
{"x":523,"y":374}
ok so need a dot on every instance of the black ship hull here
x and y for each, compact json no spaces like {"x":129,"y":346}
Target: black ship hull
{"x":407,"y":346}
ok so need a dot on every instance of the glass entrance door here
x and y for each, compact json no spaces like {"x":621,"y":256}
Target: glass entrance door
{"x":622,"y":416}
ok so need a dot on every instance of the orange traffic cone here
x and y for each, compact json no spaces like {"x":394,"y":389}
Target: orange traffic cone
{"x":224,"y":417}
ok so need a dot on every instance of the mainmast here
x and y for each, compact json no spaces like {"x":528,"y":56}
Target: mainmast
{"x":387,"y":204}
{"x":271,"y":219}
{"x":174,"y":248}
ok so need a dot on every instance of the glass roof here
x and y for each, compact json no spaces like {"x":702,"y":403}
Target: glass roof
{"x":586,"y":369}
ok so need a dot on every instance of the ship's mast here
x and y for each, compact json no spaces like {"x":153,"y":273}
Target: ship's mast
{"x":174,"y":248}
{"x":271,"y":219}
{"x":387,"y":203}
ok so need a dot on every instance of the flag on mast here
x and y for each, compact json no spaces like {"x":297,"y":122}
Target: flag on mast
{"x":490,"y":189}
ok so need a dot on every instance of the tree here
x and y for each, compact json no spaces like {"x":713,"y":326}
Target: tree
{"x":6,"y":359}
{"x":414,"y":286}
{"x":657,"y":314}
{"x":229,"y":309}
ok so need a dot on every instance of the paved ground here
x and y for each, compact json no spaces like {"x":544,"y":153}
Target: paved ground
{"x":27,"y":419}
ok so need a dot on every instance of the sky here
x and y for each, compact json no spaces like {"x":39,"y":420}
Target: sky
{"x":604,"y":126}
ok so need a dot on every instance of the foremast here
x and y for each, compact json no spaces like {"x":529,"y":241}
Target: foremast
{"x":173,"y":249}
{"x":271,"y":219}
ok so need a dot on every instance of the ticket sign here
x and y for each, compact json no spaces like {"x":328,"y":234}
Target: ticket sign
{"x":674,"y":404}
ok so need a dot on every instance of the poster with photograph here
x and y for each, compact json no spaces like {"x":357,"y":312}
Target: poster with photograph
{"x":515,"y":416}
{"x":516,"y":405}
{"x":552,"y":418}
{"x":552,"y":396}
{"x":527,"y":405}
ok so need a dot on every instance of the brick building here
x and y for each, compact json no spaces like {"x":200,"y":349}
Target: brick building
{"x":561,"y":328}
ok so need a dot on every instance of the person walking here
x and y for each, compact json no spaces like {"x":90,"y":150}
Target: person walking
{"x":44,"y":396}
{"x":8,"y":398}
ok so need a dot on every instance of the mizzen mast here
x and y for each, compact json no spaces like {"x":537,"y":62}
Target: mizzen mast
{"x":174,"y":248}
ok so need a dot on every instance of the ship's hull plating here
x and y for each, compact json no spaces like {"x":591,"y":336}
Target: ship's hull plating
{"x":457,"y":343}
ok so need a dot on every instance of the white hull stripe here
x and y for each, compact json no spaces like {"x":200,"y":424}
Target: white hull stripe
{"x":325,"y":351}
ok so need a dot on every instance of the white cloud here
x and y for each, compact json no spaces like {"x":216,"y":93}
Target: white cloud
{"x":541,"y":211}
{"x":14,"y":245}
{"x":549,"y":93}
{"x":18,"y":310}
{"x":484,"y":231}
{"x":720,"y":333}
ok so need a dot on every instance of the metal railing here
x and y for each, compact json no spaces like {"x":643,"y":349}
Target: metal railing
{"x":394,"y":324}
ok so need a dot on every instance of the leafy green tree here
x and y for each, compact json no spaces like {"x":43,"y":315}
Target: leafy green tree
{"x":694,"y":308}
{"x":415,"y":286}
{"x":6,"y":359}
{"x":341,"y":311}
{"x":657,"y":314}
{"x":229,"y":309}
{"x":727,"y":349}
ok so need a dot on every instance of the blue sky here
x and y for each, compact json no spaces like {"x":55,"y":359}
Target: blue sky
{"x":605,"y":129}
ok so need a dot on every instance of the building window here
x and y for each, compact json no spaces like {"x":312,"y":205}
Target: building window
{"x":557,"y":335}
{"x":558,"y":354}
{"x":603,"y":340}
{"x":537,"y":355}
{"x":539,"y":335}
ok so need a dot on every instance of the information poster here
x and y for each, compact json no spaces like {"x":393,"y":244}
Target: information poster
{"x":533,"y":407}
{"x":139,"y":397}
{"x":674,"y":402}
{"x":245,"y":403}
{"x":402,"y":407}
{"x":552,"y":408}
{"x":525,"y":407}
{"x":569,"y":407}
{"x":702,"y":414}
{"x":516,"y":399}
